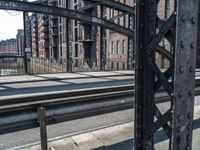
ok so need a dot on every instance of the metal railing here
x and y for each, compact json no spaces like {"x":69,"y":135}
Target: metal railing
{"x":25,"y":113}
{"x":15,"y":65}
{"x":39,"y":66}
{"x":12,"y":66}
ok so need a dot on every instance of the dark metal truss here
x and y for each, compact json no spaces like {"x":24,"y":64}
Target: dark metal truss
{"x":72,"y":14}
{"x":180,"y":29}
{"x":115,"y":5}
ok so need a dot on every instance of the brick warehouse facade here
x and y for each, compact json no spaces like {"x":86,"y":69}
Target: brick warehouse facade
{"x":49,"y":42}
{"x":13,"y":46}
{"x":8,"y":46}
{"x":87,"y":39}
{"x":47,"y":36}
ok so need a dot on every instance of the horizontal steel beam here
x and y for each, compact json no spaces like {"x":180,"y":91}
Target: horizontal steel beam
{"x":63,"y":12}
{"x":116,"y":5}
{"x":11,"y":56}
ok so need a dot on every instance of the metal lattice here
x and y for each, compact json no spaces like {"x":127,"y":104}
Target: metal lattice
{"x":178,"y":80}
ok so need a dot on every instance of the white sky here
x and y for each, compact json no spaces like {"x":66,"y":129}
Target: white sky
{"x":9,"y":24}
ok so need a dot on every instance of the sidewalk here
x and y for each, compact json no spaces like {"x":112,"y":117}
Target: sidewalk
{"x":12,"y":86}
{"x":60,"y":76}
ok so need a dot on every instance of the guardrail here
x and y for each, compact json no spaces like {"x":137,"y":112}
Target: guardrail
{"x":19,"y":113}
{"x":38,"y":111}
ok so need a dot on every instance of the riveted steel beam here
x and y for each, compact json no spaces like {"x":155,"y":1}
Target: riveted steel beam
{"x":44,"y":9}
{"x":184,"y":74}
{"x":144,"y":76}
{"x":103,"y":43}
{"x":115,"y":5}
{"x":69,"y":39}
{"x":178,"y":80}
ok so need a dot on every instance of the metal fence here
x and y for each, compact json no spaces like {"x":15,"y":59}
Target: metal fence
{"x":39,"y":66}
{"x":16,"y":65}
{"x":12,"y":66}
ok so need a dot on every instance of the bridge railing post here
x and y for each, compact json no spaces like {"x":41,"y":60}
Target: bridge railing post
{"x":28,"y":69}
{"x":43,"y":130}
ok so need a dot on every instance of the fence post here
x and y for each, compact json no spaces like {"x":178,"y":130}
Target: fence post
{"x":43,"y":130}
{"x":28,"y":60}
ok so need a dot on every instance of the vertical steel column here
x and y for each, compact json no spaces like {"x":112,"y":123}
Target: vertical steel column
{"x":25,"y":15}
{"x":184,"y":74}
{"x":69,"y":40}
{"x":130,"y":53}
{"x":144,"y":76}
{"x":43,"y":130}
{"x":103,"y":41}
{"x":198,"y":43}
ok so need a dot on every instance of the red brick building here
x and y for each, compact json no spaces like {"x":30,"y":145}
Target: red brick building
{"x":8,"y":46}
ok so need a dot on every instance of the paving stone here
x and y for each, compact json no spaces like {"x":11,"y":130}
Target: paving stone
{"x":36,"y":147}
{"x":115,"y":134}
{"x":64,"y":144}
{"x":87,"y":141}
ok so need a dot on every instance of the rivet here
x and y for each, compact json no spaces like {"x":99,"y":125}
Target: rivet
{"x":141,"y":4}
{"x":180,"y":94}
{"x":182,"y":44}
{"x":189,"y":115}
{"x":188,"y":148}
{"x":190,"y":93}
{"x":148,"y":52}
{"x":183,"y":19}
{"x":180,"y":117}
{"x":139,"y":136}
{"x":181,"y":69}
{"x":161,"y":31}
{"x":178,"y":129}
{"x":188,"y":137}
{"x":191,"y":69}
{"x":193,"y":20}
{"x":192,"y":45}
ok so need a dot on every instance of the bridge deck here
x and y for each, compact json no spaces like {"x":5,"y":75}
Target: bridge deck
{"x":38,"y":84}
